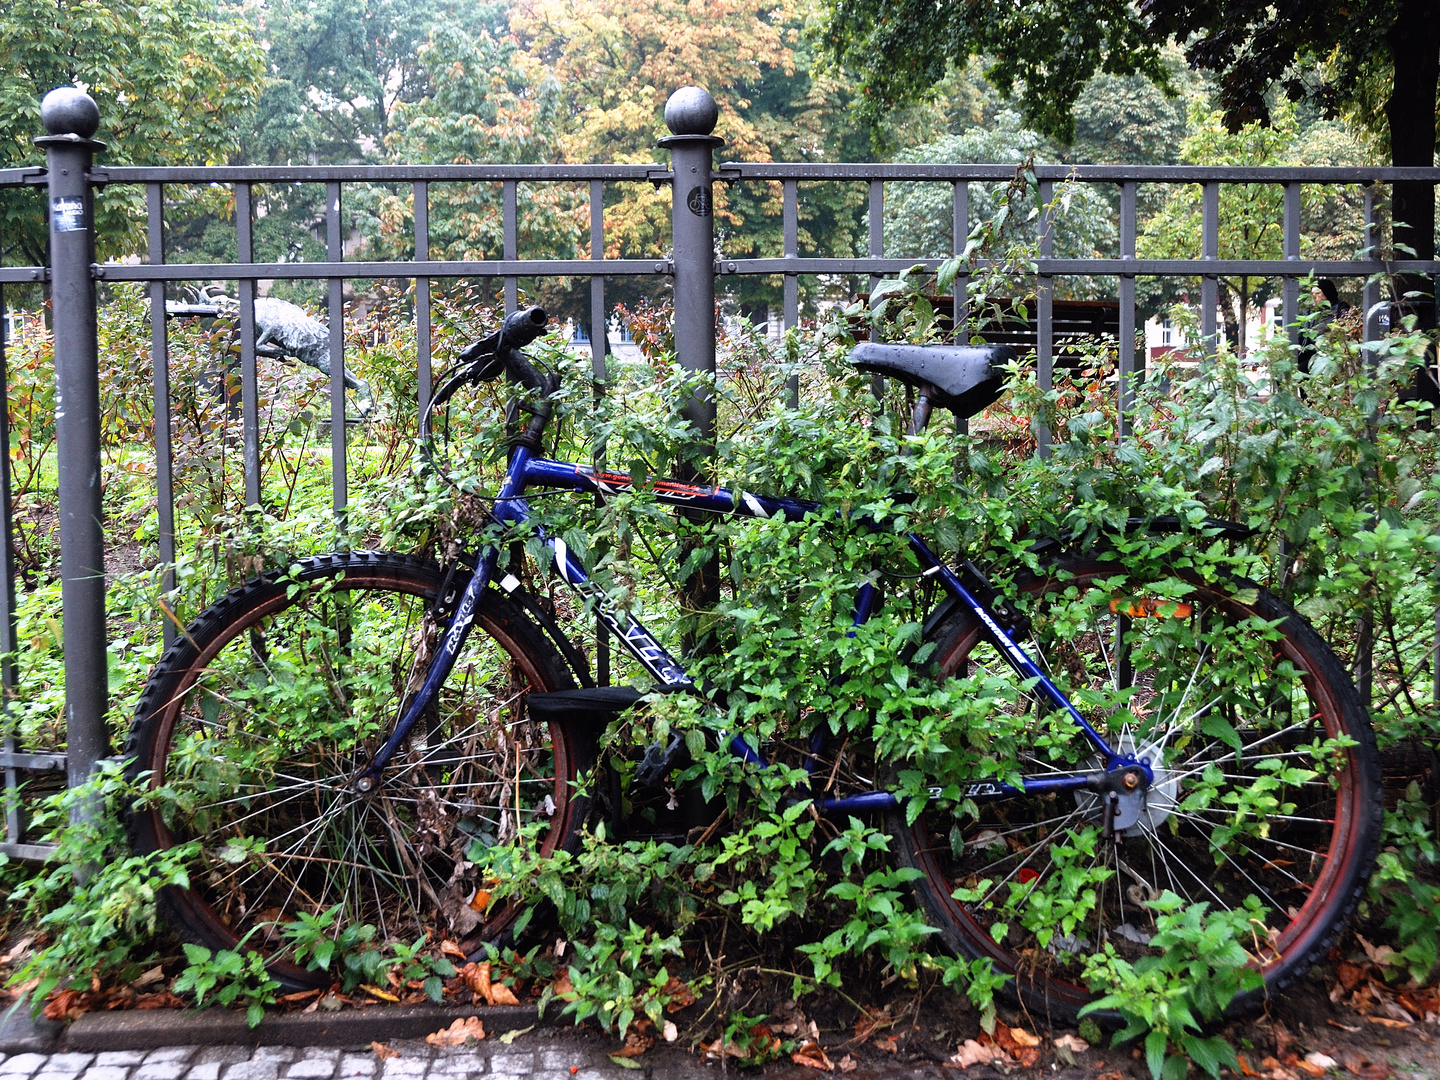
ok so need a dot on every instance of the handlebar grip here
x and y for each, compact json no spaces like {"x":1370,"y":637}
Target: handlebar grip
{"x":522,"y":327}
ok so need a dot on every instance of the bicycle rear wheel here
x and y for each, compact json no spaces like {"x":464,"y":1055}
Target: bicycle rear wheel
{"x":255,"y":721}
{"x":1267,"y":780}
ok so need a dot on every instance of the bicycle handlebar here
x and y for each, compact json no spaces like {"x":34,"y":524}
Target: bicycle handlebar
{"x":495,"y":354}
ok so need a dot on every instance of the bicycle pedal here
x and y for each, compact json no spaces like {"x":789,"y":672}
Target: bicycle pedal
{"x":597,"y":705}
{"x":658,"y":762}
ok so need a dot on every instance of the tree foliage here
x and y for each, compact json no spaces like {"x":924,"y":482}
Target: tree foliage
{"x":173,"y":79}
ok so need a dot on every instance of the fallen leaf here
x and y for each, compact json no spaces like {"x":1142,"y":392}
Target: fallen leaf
{"x":847,"y":1064}
{"x":887,"y":1044}
{"x":563,"y":987}
{"x":376,"y":992}
{"x":671,"y":1032}
{"x":973,"y":1053}
{"x":300,"y":995}
{"x":514,"y":1033}
{"x":1389,"y":1022}
{"x":1024,"y":1038}
{"x":1073,"y":1043}
{"x":449,"y":948}
{"x":1325,"y":1061}
{"x":458,"y":1033}
{"x":1111,"y":1076}
{"x":1349,"y":974}
{"x":500,"y":994}
{"x":680,"y":995}
{"x":1342,"y":1027}
{"x":625,"y":1063}
{"x":145,"y":978}
{"x":1310,"y":1068}
{"x":383,"y":1052}
{"x":636,"y":1043}
{"x":1245,"y":1069}
{"x":1364,"y":1066}
{"x":812,"y":1057}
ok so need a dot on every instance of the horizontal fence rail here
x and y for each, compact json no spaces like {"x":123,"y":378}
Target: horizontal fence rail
{"x":687,"y":259}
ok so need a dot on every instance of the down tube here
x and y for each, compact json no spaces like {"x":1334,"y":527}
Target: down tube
{"x":638,"y":641}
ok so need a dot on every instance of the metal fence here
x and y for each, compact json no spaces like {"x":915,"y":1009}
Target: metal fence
{"x":688,"y":262}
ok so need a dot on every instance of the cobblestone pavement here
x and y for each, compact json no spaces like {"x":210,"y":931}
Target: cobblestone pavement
{"x":525,"y":1059}
{"x":536,"y":1056}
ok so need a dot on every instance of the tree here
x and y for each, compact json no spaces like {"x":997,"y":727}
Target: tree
{"x":1043,"y":51}
{"x":173,"y":78}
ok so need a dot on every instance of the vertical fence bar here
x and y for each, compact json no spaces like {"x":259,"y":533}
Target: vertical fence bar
{"x":422,"y":295}
{"x":1045,"y":322}
{"x":8,"y":635}
{"x":691,"y":114}
{"x":511,"y":241}
{"x":249,"y":374}
{"x":1129,"y":379}
{"x":1370,"y":330}
{"x":335,"y":315}
{"x":1290,"y":290}
{"x":160,"y":361}
{"x":72,"y":118}
{"x":959,"y":237}
{"x":791,"y":220}
{"x":877,"y":251}
{"x":1209,"y":249}
{"x":599,"y":371}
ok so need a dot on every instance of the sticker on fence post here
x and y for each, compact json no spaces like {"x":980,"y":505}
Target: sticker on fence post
{"x":699,"y":201}
{"x":68,"y":214}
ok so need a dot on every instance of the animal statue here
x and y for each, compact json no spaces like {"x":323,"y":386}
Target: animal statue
{"x":282,"y":330}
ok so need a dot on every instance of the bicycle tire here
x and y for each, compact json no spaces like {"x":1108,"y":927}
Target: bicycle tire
{"x":1245,"y":648}
{"x":253,"y":721}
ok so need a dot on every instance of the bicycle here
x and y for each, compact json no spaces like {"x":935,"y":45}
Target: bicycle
{"x":343,"y":731}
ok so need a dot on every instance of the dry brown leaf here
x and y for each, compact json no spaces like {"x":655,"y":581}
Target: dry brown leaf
{"x":383,"y":1052}
{"x":847,"y":1064}
{"x":449,"y":948}
{"x":973,"y":1053}
{"x":1390,"y":1022}
{"x":1024,"y":1038}
{"x":458,"y":1032}
{"x":1073,"y":1043}
{"x":885,"y":1043}
{"x":500,"y":994}
{"x":563,"y":987}
{"x":481,"y":985}
{"x":146,"y":978}
{"x":376,"y":992}
{"x":1361,"y":1064}
{"x":635,"y":1044}
{"x":1245,"y":1069}
{"x":1310,"y":1068}
{"x":680,"y":995}
{"x":481,"y":900}
{"x":812,"y":1057}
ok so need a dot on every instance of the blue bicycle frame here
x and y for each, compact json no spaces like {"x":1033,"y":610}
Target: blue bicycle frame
{"x":527,"y":471}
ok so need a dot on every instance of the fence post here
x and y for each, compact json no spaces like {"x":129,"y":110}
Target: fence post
{"x":71,"y":117}
{"x":690,"y":114}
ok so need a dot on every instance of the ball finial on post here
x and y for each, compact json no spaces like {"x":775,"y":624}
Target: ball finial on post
{"x":691,"y":111}
{"x":68,"y":111}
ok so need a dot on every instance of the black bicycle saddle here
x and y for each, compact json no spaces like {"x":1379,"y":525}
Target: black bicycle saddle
{"x":966,"y":377}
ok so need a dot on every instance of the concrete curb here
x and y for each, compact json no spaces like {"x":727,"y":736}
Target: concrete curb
{"x":149,"y":1029}
{"x":21,"y":1033}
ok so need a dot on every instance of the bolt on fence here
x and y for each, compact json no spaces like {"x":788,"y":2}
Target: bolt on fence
{"x":690,"y":265}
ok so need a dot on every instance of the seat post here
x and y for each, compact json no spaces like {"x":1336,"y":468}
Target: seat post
{"x":921,"y":415}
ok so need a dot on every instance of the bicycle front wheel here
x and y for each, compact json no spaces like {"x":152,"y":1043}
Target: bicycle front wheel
{"x":1266,"y":796}
{"x":256,"y":720}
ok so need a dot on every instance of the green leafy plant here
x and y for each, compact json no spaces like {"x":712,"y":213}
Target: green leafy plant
{"x":233,"y":974}
{"x":1169,"y":997}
